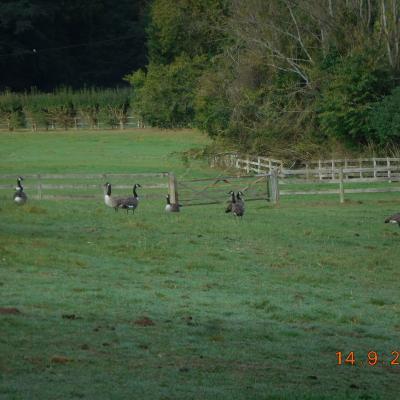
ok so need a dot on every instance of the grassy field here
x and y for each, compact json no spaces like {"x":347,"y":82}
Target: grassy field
{"x":195,"y":305}
{"x":106,"y":152}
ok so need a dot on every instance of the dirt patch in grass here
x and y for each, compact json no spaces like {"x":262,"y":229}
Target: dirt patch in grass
{"x":9,"y":311}
{"x":60,"y":360}
{"x":144,"y":321}
{"x":36,"y":210}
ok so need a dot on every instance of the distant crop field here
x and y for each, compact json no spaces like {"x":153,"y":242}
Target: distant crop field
{"x":98,"y":304}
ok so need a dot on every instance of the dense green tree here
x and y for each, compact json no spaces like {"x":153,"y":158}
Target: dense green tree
{"x":183,"y":37}
{"x":164,"y":96}
{"x":185,"y":27}
{"x":384,"y":119}
{"x":346,"y":99}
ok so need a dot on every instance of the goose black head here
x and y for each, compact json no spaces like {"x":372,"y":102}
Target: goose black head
{"x":232,"y":193}
{"x":107,"y":187}
{"x":239,"y":194}
{"x":19,"y":180}
{"x":168,"y":199}
{"x":135,"y":186}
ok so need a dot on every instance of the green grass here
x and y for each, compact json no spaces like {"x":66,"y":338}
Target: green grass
{"x":252,"y":309}
{"x":136,"y":151}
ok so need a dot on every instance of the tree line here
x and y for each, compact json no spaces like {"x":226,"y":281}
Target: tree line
{"x":289,"y":77}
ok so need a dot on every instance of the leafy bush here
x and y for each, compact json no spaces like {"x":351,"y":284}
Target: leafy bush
{"x":165,"y":96}
{"x":346,"y":99}
{"x":385,"y":119}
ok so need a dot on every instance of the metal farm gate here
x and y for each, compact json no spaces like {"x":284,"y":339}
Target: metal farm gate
{"x":215,"y":190}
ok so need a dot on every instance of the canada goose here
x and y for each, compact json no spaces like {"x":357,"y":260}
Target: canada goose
{"x":394,"y":219}
{"x":20,"y":196}
{"x":238,"y":206}
{"x":228,"y":208}
{"x":174,"y":207}
{"x":110,"y":201}
{"x":131,"y":202}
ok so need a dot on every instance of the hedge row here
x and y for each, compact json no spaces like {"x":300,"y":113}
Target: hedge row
{"x":64,"y":107}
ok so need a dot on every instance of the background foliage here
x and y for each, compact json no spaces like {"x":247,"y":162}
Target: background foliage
{"x":291,"y":77}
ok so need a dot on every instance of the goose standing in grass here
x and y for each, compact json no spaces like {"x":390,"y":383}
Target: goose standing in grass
{"x":131,"y":202}
{"x":108,"y":199}
{"x":174,"y":207}
{"x":20,"y":196}
{"x":238,"y":205}
{"x":394,"y":219}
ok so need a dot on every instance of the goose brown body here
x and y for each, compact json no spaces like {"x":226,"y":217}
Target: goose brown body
{"x":109,"y":200}
{"x":131,"y":202}
{"x":171,"y":207}
{"x":236,"y":204}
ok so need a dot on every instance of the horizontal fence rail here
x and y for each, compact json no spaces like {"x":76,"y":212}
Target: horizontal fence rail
{"x":201,"y":191}
{"x":80,"y":123}
{"x":84,"y":186}
{"x":355,"y":170}
{"x":257,"y":164}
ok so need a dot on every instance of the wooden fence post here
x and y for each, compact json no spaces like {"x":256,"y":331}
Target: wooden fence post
{"x":341,"y":187}
{"x":39,"y":187}
{"x":389,"y":172}
{"x":173,"y":188}
{"x":319,"y":169}
{"x":274,"y":186}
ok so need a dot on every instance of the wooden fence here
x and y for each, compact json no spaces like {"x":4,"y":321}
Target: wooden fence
{"x":79,"y":123}
{"x":204,"y":191}
{"x":338,"y":179}
{"x":154,"y":186}
{"x":357,"y":170}
{"x":83,"y":186}
{"x":258,"y":165}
